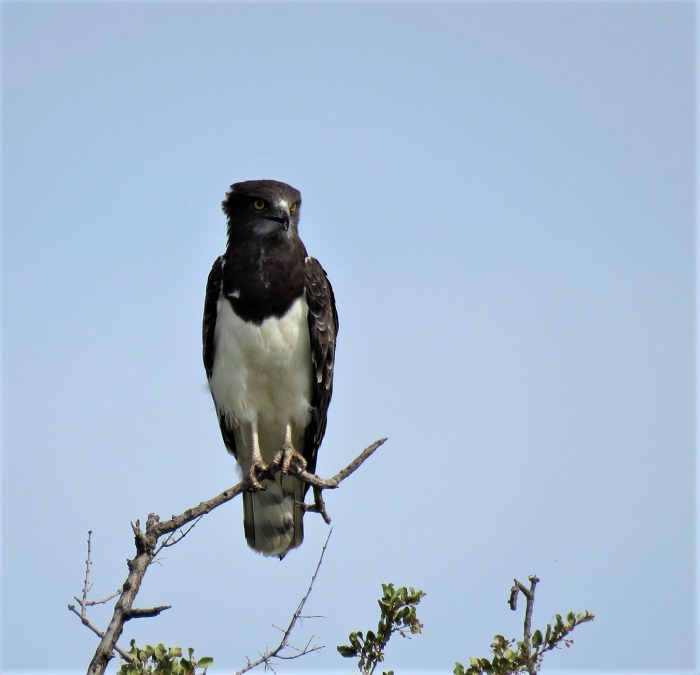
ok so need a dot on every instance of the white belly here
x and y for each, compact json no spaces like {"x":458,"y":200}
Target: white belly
{"x":262,"y":376}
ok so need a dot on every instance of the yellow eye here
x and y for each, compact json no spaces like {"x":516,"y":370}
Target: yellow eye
{"x":258,"y":204}
{"x":293,"y":208}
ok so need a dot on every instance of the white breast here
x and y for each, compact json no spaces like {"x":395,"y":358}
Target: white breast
{"x":262,"y":373}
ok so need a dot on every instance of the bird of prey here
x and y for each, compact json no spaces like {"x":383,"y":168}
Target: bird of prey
{"x":269,"y":335}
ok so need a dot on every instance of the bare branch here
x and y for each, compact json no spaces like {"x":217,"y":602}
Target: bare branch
{"x":102,"y":601}
{"x":529,"y":594}
{"x":147,"y":547}
{"x":332,"y":483}
{"x":319,"y":506}
{"x":142,"y":613}
{"x":85,"y":603}
{"x":175,"y":537}
{"x":277,"y":652}
{"x":88,"y":564}
{"x":86,"y":622}
{"x":320,"y":484}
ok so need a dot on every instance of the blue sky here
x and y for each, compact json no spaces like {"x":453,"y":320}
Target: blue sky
{"x":503,"y":197}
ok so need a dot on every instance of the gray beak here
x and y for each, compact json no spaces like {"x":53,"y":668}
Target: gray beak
{"x":282,"y":219}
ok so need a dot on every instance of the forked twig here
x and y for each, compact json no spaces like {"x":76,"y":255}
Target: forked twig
{"x":174,"y":537}
{"x":84,"y":603}
{"x":276,"y":653}
{"x":529,"y":594}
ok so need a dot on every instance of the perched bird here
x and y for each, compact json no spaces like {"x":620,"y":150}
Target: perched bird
{"x":269,"y":334}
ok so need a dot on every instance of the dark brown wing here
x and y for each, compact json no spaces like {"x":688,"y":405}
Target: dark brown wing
{"x":211,"y":299}
{"x":323,"y":329}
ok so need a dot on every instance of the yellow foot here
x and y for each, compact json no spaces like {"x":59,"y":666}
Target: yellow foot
{"x":287,"y":457}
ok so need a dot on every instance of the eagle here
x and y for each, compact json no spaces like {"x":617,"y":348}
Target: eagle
{"x":269,"y":335}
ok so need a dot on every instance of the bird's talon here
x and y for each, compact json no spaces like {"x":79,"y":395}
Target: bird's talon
{"x":286,"y":457}
{"x":256,"y":469}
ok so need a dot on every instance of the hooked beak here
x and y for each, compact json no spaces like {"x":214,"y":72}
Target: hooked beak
{"x":282,"y":219}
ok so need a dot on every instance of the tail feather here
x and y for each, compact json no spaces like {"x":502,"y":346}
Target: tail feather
{"x":272,"y":520}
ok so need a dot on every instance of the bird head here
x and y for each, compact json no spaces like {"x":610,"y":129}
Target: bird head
{"x":266,"y":208}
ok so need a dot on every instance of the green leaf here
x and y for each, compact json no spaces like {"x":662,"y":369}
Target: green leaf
{"x":548,"y":634}
{"x":537,"y":638}
{"x":205,"y":661}
{"x":346,"y":651}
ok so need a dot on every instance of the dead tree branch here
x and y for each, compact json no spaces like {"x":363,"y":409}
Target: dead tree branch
{"x":277,"y":652}
{"x":147,"y":546}
{"x":84,"y":603}
{"x":320,"y":484}
{"x":529,"y":594}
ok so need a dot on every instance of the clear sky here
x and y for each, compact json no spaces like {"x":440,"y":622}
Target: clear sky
{"x":503,"y":197}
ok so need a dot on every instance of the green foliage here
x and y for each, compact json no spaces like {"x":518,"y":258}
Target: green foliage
{"x":511,"y":657}
{"x":160,"y":660}
{"x":397,"y":608}
{"x":397,"y":615}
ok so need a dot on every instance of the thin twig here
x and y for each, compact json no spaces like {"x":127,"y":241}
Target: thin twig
{"x":86,"y":622}
{"x":320,"y":484}
{"x":85,"y":603}
{"x":276,"y":653}
{"x":88,"y":564}
{"x":331,"y":483}
{"x":174,"y":537}
{"x":102,"y":601}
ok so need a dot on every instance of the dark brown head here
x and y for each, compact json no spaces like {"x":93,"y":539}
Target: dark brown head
{"x":266,"y":208}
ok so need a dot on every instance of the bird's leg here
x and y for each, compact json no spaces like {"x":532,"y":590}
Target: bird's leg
{"x":257,"y":466}
{"x":287,"y":454}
